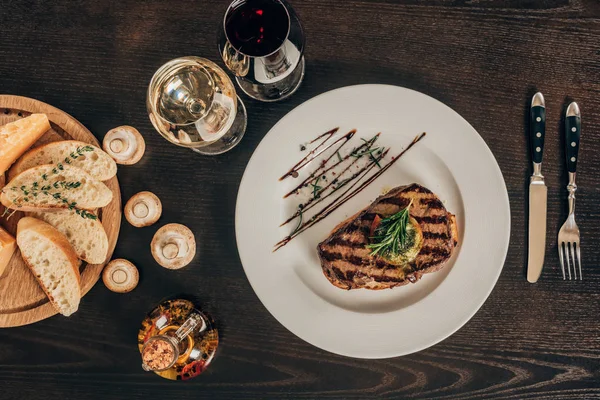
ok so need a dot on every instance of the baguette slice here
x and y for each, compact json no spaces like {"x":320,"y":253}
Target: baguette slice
{"x":88,"y":194}
{"x":7,"y":248}
{"x":87,"y":236}
{"x":53,"y":261}
{"x":82,"y":155}
{"x":17,"y":136}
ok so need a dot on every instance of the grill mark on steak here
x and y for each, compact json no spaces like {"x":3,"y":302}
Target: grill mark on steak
{"x":350,"y":274}
{"x":430,"y":264}
{"x":383,"y":264}
{"x":435,"y":235}
{"x":331,"y":255}
{"x":385,"y":279}
{"x":354,"y":227}
{"x":438,"y":252}
{"x":433,"y":203}
{"x":371,"y":216}
{"x":338,"y":273}
{"x":347,"y":278}
{"x":338,"y":241}
{"x":398,"y":201}
{"x":434,"y":219}
{"x":356,"y":260}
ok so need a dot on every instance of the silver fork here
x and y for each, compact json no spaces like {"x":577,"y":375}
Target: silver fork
{"x":568,"y":236}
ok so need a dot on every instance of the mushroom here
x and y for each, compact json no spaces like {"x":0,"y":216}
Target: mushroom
{"x":173,"y":246}
{"x":143,"y":209}
{"x":120,"y":276}
{"x":124,"y":144}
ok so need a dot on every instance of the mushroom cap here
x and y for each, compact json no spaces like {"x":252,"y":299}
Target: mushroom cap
{"x":143,"y":209}
{"x":124,"y":144}
{"x":173,"y":246}
{"x":120,"y":276}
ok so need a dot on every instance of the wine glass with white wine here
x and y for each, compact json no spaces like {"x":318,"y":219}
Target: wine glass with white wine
{"x":192,"y":103}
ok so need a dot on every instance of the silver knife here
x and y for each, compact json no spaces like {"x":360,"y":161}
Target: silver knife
{"x":538,"y":192}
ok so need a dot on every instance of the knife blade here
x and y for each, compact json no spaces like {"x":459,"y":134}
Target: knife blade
{"x":538,"y":192}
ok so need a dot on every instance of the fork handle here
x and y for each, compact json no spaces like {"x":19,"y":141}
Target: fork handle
{"x":572,"y":135}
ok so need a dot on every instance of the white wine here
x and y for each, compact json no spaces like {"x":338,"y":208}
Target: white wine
{"x":192,"y":103}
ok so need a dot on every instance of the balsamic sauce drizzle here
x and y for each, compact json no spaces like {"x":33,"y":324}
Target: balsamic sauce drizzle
{"x":314,"y":152}
{"x":316,"y":173}
{"x":311,"y":202}
{"x":348,"y":194}
{"x":316,"y":218}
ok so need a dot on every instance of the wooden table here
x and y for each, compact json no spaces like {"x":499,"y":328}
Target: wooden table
{"x":483,"y":58}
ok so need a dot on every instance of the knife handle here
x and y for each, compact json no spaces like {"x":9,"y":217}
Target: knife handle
{"x":572,"y":135}
{"x":537,"y":131}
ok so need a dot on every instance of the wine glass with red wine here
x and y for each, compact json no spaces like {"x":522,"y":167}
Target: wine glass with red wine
{"x":262,"y":43}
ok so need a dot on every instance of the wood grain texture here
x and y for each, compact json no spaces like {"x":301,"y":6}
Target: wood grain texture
{"x":484,"y":58}
{"x":22,"y":300}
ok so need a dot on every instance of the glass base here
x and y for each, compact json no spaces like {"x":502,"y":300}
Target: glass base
{"x":274,"y":91}
{"x":229,"y":140}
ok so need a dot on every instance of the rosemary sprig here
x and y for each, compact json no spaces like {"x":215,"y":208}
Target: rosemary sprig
{"x":374,"y":159}
{"x":391,"y":234}
{"x":342,"y":183}
{"x":300,"y":215}
{"x":369,"y":150}
{"x":316,"y":188}
{"x":338,"y":155}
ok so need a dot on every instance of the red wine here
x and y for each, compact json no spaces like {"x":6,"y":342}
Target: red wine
{"x":257,"y":28}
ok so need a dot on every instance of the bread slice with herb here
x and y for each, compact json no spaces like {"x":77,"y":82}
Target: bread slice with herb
{"x":87,"y":236}
{"x":78,"y":154}
{"x":53,"y":261}
{"x":50,"y":187}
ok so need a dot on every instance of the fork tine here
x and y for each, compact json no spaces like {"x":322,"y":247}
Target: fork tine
{"x":568,"y":258}
{"x":560,"y":256}
{"x":572,"y":254}
{"x":579,"y":261}
{"x":574,"y":259}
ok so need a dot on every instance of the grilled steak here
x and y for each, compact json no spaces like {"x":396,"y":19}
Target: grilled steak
{"x":348,"y":264}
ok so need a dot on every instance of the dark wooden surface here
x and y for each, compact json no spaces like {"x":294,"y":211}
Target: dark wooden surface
{"x":484,"y":58}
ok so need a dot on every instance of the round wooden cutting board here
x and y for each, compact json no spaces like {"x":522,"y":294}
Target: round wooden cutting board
{"x":22,"y":301}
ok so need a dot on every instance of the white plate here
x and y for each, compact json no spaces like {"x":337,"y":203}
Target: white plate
{"x":452,"y":160}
